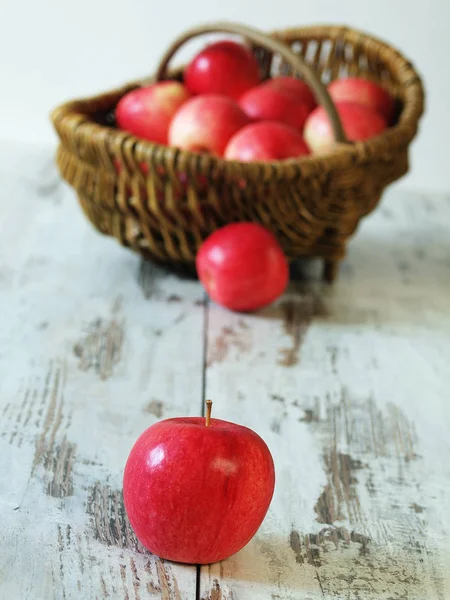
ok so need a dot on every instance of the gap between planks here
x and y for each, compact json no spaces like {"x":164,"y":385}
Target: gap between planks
{"x":202,"y":408}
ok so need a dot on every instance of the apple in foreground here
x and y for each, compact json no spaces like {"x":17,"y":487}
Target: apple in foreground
{"x":359,"y":123}
{"x":224,"y":67}
{"x":266,"y":141}
{"x":242,"y":267}
{"x":206,"y":123}
{"x":267,"y":103}
{"x":197,"y":489}
{"x":297,"y":88}
{"x":147,"y":112}
{"x":362,"y":91}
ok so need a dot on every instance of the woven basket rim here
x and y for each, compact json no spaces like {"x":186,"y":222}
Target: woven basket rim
{"x":73,"y":114}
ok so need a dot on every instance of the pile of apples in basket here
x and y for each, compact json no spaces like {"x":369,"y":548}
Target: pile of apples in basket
{"x":223,"y":108}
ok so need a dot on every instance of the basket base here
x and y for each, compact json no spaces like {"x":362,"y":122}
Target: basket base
{"x":184,"y":270}
{"x":330,"y":270}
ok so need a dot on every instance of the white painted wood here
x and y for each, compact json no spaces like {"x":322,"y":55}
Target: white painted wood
{"x":90,"y":355}
{"x":348,"y":385}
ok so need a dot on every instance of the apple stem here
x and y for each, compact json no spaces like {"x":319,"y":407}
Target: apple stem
{"x":208,"y":413}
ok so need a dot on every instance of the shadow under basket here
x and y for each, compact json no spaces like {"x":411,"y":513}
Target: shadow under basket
{"x":163,"y":202}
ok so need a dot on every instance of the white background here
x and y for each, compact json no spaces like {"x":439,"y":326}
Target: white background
{"x":53,"y":50}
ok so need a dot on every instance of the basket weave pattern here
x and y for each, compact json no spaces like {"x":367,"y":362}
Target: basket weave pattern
{"x":164,"y":202}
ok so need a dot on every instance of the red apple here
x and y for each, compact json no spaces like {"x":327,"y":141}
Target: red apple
{"x":296,"y":87}
{"x":224,"y":67}
{"x":359,"y":123}
{"x":242,"y":267}
{"x":146,"y":112}
{"x":267,"y":140}
{"x":206,"y":123}
{"x":197,"y":493}
{"x":364,"y":92}
{"x":267,"y":103}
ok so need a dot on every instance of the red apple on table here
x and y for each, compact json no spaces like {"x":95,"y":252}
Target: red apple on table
{"x":224,"y":67}
{"x":359,"y":123}
{"x":242,"y":267}
{"x":295,"y":87}
{"x":266,"y":140}
{"x":267,"y":103}
{"x":147,"y":112}
{"x":206,"y":123}
{"x":196,"y":490}
{"x":364,"y":92}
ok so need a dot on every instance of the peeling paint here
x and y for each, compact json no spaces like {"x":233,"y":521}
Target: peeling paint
{"x":110,"y":525}
{"x":60,"y":462}
{"x":229,"y":338}
{"x":100,"y":347}
{"x":368,"y":434}
{"x":218,"y":592}
{"x":297,"y":316}
{"x":155,"y":407}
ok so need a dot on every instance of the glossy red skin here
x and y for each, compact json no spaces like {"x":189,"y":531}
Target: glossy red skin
{"x":359,"y":123}
{"x":147,"y":112}
{"x":267,"y":140}
{"x":242,"y":267}
{"x":266,"y":103}
{"x":364,"y":92}
{"x":197,"y":494}
{"x":222,"y":68}
{"x":296,"y":87}
{"x":206,"y":123}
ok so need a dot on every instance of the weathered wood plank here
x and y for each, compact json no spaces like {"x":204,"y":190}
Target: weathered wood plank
{"x":90,"y":355}
{"x":349,"y":386}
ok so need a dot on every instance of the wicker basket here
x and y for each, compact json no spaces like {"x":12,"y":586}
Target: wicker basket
{"x":163,"y":202}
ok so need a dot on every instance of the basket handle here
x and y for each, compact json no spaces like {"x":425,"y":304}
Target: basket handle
{"x":297,"y":63}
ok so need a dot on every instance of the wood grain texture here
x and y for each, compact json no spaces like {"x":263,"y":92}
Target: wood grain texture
{"x":349,"y":385}
{"x":88,"y":360}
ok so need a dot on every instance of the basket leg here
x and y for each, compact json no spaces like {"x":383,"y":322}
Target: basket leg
{"x":330,"y":270}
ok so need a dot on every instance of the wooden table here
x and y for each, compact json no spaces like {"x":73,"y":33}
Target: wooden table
{"x":349,"y":385}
